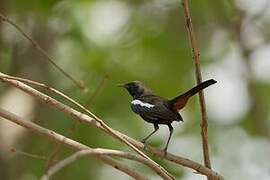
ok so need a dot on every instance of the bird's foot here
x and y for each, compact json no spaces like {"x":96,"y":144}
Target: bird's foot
{"x":144,"y":146}
{"x":143,"y":141}
{"x":165,"y":151}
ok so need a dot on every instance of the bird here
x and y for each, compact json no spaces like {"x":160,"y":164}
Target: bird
{"x":158,"y":110}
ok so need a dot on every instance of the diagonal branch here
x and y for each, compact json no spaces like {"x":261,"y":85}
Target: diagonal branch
{"x":91,"y":121}
{"x":80,"y":84}
{"x":196,"y":62}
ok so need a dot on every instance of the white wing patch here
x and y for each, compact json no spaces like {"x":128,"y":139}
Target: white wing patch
{"x":143,"y":104}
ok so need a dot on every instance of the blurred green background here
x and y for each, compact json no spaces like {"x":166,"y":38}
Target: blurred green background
{"x":107,"y":42}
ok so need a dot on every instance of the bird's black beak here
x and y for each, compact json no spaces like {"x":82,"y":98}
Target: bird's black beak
{"x":121,"y":85}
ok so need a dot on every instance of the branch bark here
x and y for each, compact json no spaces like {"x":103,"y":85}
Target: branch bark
{"x":196,"y":62}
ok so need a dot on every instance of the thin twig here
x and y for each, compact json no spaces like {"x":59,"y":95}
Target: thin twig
{"x":91,"y":121}
{"x":46,"y":87}
{"x":78,"y":83}
{"x":104,"y":125}
{"x":97,"y":90}
{"x":196,"y":62}
{"x":52,"y":155}
{"x":26,"y":154}
{"x":69,"y":142}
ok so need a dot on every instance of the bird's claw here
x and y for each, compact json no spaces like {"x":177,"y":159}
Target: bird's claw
{"x":165,"y":151}
{"x":144,"y":145}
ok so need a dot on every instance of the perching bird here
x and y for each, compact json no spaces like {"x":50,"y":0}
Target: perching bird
{"x":158,"y":110}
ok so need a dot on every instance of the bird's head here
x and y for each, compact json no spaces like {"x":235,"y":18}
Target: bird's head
{"x":136,"y":88}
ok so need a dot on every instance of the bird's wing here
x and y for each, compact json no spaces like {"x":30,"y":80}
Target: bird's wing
{"x":152,"y":110}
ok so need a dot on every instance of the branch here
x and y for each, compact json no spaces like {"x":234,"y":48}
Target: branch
{"x":58,"y":105}
{"x":80,"y":84}
{"x":196,"y":62}
{"x":99,"y":151}
{"x":91,"y":121}
{"x":69,"y":142}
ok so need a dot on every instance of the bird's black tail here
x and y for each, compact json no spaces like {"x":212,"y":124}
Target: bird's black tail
{"x":180,"y":101}
{"x":198,"y":88}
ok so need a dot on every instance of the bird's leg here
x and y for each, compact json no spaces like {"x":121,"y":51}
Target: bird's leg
{"x":156,"y":128}
{"x":171,"y":131}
